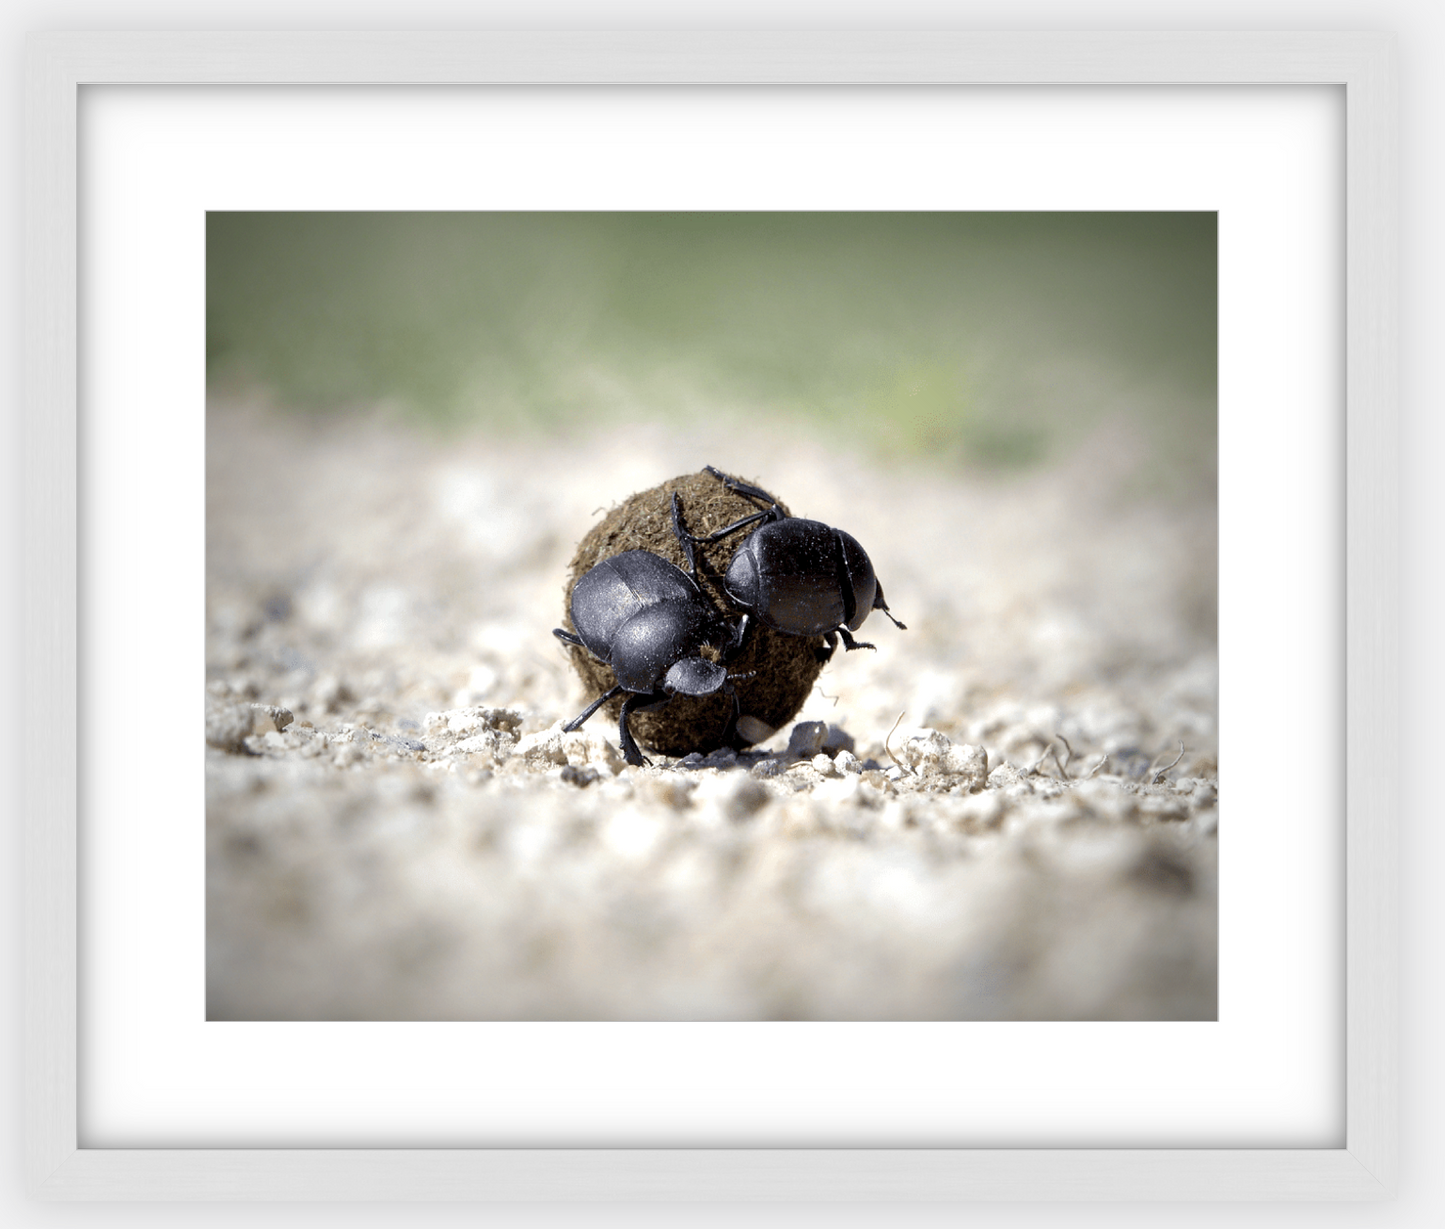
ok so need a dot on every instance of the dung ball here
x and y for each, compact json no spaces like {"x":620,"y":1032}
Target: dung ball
{"x":783,"y":668}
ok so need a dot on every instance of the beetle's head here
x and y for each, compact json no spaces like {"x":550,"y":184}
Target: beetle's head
{"x":694,"y":676}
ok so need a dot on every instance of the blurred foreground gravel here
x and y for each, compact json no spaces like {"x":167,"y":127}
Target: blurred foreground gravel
{"x":397,"y":828}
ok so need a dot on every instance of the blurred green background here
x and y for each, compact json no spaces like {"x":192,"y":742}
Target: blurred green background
{"x":972,"y":339}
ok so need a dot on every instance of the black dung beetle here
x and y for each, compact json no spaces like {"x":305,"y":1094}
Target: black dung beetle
{"x":646,"y":618}
{"x":799,"y":577}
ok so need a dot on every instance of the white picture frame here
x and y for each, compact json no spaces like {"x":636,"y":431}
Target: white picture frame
{"x":58,"y":65}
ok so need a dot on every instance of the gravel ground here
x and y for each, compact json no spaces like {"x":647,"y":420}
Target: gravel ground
{"x":398,"y":828}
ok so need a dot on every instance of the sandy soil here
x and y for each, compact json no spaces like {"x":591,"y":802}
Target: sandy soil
{"x":414,"y":838}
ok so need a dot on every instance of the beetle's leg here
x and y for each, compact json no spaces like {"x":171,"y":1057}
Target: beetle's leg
{"x":735,"y":645}
{"x":684,"y":538}
{"x":767,"y":514}
{"x":730,"y":731}
{"x":880,"y":604}
{"x":850,"y":644}
{"x":576,"y":722}
{"x":688,"y":538}
{"x":746,"y":490}
{"x":831,"y":641}
{"x":630,"y":753}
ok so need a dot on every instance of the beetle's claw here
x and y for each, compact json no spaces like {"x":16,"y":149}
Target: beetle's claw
{"x":850,"y":644}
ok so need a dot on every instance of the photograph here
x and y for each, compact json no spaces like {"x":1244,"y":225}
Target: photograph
{"x":549,"y":669}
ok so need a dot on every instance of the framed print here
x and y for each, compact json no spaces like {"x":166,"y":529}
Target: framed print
{"x":1144,"y":287}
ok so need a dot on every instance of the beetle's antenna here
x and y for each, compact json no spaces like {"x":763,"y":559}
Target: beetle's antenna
{"x":881,"y":603}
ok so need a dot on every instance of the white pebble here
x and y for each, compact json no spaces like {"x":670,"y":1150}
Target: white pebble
{"x":969,"y":763}
{"x":924,"y":749}
{"x":227,"y":724}
{"x":269,"y":718}
{"x":546,"y":747}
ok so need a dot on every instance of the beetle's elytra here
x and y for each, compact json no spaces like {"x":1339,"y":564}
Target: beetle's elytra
{"x":796,"y":576}
{"x":648,"y":620}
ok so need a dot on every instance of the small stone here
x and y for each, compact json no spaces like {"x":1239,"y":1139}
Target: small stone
{"x":968,"y":763}
{"x":806,"y":738}
{"x":544,"y":748}
{"x":751,"y":730}
{"x":846,"y":761}
{"x":269,"y":718}
{"x":838,"y":739}
{"x":602,"y":752}
{"x":824,"y":765}
{"x":924,"y":750}
{"x":766,"y":768}
{"x":459,"y":722}
{"x":1007,"y":777}
{"x":580,"y":777}
{"x":227,"y":723}
{"x":488,"y":742}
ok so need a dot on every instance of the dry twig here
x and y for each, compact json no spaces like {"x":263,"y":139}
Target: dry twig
{"x":889,"y":749}
{"x":1159,"y":776}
